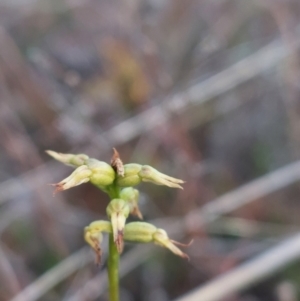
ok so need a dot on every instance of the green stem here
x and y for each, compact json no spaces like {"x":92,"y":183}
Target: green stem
{"x":113,"y":191}
{"x":113,"y":270}
{"x":113,"y":257}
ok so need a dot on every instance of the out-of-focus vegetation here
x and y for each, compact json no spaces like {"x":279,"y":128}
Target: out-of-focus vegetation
{"x":207,"y":91}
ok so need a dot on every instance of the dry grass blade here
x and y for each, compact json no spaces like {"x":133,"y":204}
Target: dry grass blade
{"x":249,"y":273}
{"x":245,"y":69}
{"x":251,"y":66}
{"x":254,"y":190}
{"x":97,"y":285}
{"x":54,"y":276}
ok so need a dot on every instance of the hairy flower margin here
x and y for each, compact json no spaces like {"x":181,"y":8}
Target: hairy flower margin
{"x":118,"y":180}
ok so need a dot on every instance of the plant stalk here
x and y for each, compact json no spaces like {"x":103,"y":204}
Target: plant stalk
{"x":113,"y":270}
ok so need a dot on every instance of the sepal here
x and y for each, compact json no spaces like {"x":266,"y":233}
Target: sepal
{"x":69,"y":159}
{"x":79,"y":176}
{"x":150,"y":174}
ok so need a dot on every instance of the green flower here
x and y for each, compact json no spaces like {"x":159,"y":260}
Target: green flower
{"x":97,"y":172}
{"x":145,"y":232}
{"x":118,"y":211}
{"x":93,"y":236}
{"x":136,"y":173}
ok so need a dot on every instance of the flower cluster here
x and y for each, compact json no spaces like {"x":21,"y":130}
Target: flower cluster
{"x":117,"y":180}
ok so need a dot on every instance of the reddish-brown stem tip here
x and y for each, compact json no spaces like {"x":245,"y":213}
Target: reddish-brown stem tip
{"x":117,"y":163}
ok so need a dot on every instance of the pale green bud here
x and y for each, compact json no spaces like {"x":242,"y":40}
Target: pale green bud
{"x":135,"y":173}
{"x":93,"y":236}
{"x":118,"y":211}
{"x":131,"y":196}
{"x":145,"y":232}
{"x":102,"y":173}
{"x":131,"y":175}
{"x":69,"y":159}
{"x":139,"y":232}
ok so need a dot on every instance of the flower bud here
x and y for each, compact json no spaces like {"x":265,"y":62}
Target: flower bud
{"x":131,"y":196}
{"x":93,"y":236}
{"x":135,"y":173}
{"x":102,"y":173}
{"x":131,"y":175}
{"x":139,"y":232}
{"x":118,"y":211}
{"x":145,"y":232}
{"x":69,"y":159}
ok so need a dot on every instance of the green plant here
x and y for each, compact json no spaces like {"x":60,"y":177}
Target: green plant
{"x":117,"y":180}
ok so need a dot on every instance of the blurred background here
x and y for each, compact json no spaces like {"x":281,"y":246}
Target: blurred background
{"x":206,"y":91}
